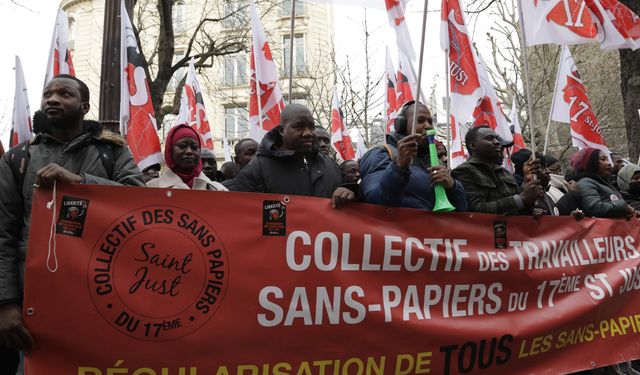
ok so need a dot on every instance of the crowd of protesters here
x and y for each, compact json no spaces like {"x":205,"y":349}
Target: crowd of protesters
{"x":293,"y":158}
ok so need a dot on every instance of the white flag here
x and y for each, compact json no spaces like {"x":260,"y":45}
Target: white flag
{"x":395,"y":13}
{"x":59,"y":55}
{"x":192,"y":110}
{"x":265,"y":95}
{"x":21,"y":119}
{"x":226,"y":148}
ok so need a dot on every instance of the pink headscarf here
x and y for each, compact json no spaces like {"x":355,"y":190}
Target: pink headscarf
{"x":175,"y":134}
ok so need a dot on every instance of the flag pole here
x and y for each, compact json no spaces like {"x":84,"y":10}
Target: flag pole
{"x":291,"y":38}
{"x":447,"y":106}
{"x":418,"y":89}
{"x":523,"y":42}
{"x":553,"y":104}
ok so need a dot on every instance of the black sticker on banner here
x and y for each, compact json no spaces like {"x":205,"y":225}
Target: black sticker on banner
{"x":500,"y":234}
{"x":73,"y":212}
{"x":274,"y":218}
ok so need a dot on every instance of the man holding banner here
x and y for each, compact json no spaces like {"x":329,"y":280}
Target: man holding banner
{"x":68,"y":150}
{"x":288,"y":162}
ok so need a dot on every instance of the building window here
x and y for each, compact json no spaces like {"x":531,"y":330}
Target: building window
{"x":235,"y":12}
{"x":179,"y":17}
{"x":72,"y":33}
{"x":299,"y":67}
{"x":235,"y":69}
{"x":235,"y":122}
{"x":179,"y":74}
{"x":285,"y":10}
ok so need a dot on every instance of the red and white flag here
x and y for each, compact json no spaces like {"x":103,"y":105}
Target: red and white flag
{"x":572,"y":106}
{"x":559,"y":22}
{"x":406,"y":81}
{"x":620,"y":25}
{"x":390,"y":105}
{"x":192,"y":110}
{"x":374,"y":4}
{"x":395,"y":12}
{"x":265,"y":95}
{"x":137,"y":118}
{"x":518,"y":140}
{"x":464,"y":82}
{"x":488,"y":110}
{"x":21,"y":120}
{"x":340,"y":139}
{"x":59,"y":55}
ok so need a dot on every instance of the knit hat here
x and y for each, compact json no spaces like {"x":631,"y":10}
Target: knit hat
{"x":581,"y":160}
{"x":625,"y":174}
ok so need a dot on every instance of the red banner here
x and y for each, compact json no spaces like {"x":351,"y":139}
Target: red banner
{"x":212,"y":283}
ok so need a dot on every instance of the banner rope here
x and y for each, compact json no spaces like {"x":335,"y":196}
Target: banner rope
{"x":51,"y":205}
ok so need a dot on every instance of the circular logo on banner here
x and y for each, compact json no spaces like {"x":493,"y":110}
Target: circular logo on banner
{"x":158,"y":273}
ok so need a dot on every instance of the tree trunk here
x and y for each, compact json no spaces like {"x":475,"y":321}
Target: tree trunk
{"x":630,"y":85}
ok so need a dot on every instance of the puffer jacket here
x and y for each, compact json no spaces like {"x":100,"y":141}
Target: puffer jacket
{"x":383,"y":182}
{"x":599,"y":199}
{"x":80,"y":156}
{"x":279,"y":171}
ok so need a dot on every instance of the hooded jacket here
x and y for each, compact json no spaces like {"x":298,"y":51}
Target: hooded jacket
{"x":279,"y":171}
{"x":80,"y":156}
{"x":383,"y":182}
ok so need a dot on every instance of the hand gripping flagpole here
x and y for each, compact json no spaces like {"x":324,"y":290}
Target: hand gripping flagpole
{"x":447,"y":106}
{"x":553,"y":104}
{"x":523,"y":42}
{"x":291,"y":38}
{"x":418,"y":89}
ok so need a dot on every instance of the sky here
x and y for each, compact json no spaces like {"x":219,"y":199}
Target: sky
{"x":29,"y":25}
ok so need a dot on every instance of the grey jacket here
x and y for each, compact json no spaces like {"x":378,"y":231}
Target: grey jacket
{"x":80,"y":156}
{"x":596,"y":199}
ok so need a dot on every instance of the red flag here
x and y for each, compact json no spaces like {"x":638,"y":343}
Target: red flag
{"x":488,"y":110}
{"x":572,"y":106}
{"x":395,"y":12}
{"x":21,"y":119}
{"x":265,"y":100}
{"x":518,"y":140}
{"x":405,"y":81}
{"x":192,"y":110}
{"x":340,"y":139}
{"x":620,"y":26}
{"x":391,"y":105}
{"x":59,"y":55}
{"x":465,"y":88}
{"x":137,"y":118}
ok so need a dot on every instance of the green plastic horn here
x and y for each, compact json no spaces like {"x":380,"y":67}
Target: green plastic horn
{"x":442,"y":202}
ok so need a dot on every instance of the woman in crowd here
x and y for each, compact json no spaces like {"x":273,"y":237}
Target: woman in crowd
{"x":597,"y":197}
{"x":184,"y":167}
{"x":629,"y":184}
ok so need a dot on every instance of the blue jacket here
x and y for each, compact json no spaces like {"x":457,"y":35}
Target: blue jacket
{"x":383,"y":182}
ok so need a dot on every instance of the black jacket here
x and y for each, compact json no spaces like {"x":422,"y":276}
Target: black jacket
{"x":279,"y":171}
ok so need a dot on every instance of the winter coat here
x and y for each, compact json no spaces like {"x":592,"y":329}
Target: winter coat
{"x":168,"y":179}
{"x":384,"y":183}
{"x":80,"y":156}
{"x":279,"y":171}
{"x":599,"y":199}
{"x":490,"y":189}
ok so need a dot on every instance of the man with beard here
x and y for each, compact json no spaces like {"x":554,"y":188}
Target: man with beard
{"x":67,"y":150}
{"x":489,"y":187}
{"x":288,"y":162}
